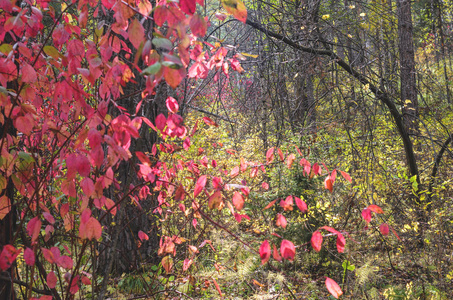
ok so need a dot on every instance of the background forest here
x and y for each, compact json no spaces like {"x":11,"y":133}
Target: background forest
{"x":226,"y":149}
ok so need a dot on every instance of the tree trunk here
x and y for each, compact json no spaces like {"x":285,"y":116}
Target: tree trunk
{"x":407,"y":67}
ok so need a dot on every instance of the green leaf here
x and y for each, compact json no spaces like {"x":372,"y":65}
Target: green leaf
{"x":52,"y":52}
{"x":26,"y":157}
{"x":172,"y":65}
{"x":6,"y":48}
{"x":153,"y":69}
{"x":162,"y":43}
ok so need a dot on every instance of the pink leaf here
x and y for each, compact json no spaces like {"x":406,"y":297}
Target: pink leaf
{"x":199,"y":186}
{"x":29,"y":257}
{"x":51,"y":280}
{"x":8,"y":256}
{"x":366,"y":214}
{"x":33,"y":228}
{"x":198,"y":25}
{"x":301,"y":205}
{"x":143,"y":236}
{"x":288,"y":250}
{"x":281,"y":221}
{"x":276,"y":255}
{"x":287,"y":204}
{"x":172,"y":105}
{"x":333,"y":287}
{"x":238,"y":201}
{"x":188,"y":6}
{"x":136,"y":33}
{"x":186,"y":264}
{"x":265,"y":252}
{"x":289,"y":160}
{"x":341,"y":242}
{"x":270,"y":155}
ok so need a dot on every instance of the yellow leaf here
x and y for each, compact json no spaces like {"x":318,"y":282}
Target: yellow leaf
{"x":236,"y":8}
{"x":249,"y":55}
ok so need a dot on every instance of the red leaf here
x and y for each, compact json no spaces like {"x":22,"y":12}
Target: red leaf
{"x":376,"y":209}
{"x":346,"y":176}
{"x":210,"y":122}
{"x":288,"y":250}
{"x":51,"y":280}
{"x":161,"y":121}
{"x":8,"y":256}
{"x":328,"y":184}
{"x":160,"y":15}
{"x":265,"y":252}
{"x":174,"y":76}
{"x":301,"y":205}
{"x":49,"y":218}
{"x":186,"y":144}
{"x":82,"y":165}
{"x":65,"y":262}
{"x":198,"y":25}
{"x":316,"y":240}
{"x":29,"y":257}
{"x":270,"y":155}
{"x":316,"y":169}
{"x":87,"y":186}
{"x":333,"y":176}
{"x":28,"y":73}
{"x":33,"y":228}
{"x":91,"y":229}
{"x":5,"y":206}
{"x":188,"y":6}
{"x":341,"y":242}
{"x":384,"y":228}
{"x":74,"y":285}
{"x":270,"y":204}
{"x":217,"y":287}
{"x":306,"y":164}
{"x":239,"y":217}
{"x":280,"y":154}
{"x":366,"y":214}
{"x":215,"y":201}
{"x":330,"y":229}
{"x":86,"y":280}
{"x":265,"y":185}
{"x":172,"y":105}
{"x":48,"y":255}
{"x":287,"y":204}
{"x":143,"y":236}
{"x":276,"y":255}
{"x":238,"y":201}
{"x":281,"y":221}
{"x":199,"y":186}
{"x":136,"y":33}
{"x":333,"y":287}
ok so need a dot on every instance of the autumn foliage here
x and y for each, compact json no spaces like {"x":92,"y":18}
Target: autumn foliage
{"x":64,"y":136}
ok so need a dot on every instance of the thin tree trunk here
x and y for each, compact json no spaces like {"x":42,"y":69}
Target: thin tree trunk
{"x":407,"y":67}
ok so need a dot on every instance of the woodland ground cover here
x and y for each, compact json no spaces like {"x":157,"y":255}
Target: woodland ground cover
{"x":202,"y":149}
